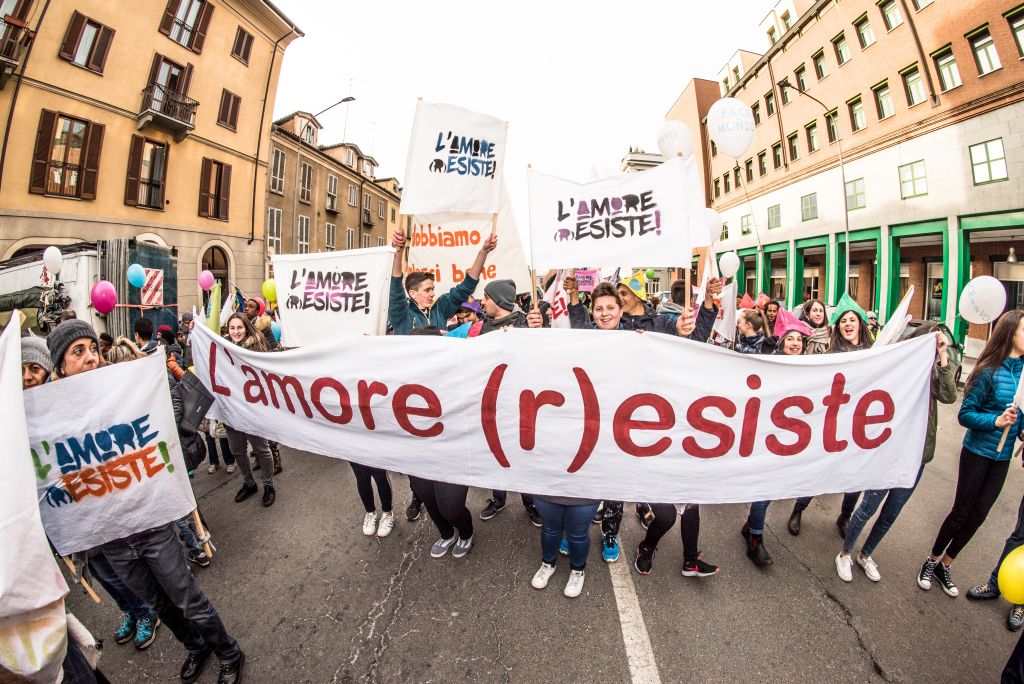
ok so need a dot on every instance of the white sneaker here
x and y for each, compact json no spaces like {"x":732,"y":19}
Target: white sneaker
{"x":870,"y":567}
{"x":370,"y":524}
{"x":212,"y":469}
{"x":541,"y":577}
{"x":844,"y":566}
{"x":231,"y":468}
{"x":387,"y":523}
{"x":574,"y":587}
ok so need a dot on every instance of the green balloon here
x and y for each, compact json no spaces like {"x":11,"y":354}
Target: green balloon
{"x":650,"y":273}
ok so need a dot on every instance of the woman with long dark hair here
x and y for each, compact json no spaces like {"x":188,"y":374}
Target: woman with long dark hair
{"x":242,"y":333}
{"x":814,"y":315}
{"x":987,"y":411}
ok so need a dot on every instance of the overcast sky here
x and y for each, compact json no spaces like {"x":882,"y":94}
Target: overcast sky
{"x":578,"y":82}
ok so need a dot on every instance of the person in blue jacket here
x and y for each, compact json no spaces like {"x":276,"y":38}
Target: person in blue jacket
{"x":987,"y":411}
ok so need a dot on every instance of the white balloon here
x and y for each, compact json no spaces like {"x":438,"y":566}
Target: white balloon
{"x":731,"y":126}
{"x":982,"y":300}
{"x":714,"y":222}
{"x":52,"y":259}
{"x":674,"y":139}
{"x":729,"y":264}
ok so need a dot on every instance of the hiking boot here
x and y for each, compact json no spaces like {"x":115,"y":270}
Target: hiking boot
{"x":199,"y":558}
{"x":245,"y":492}
{"x":492,"y":509}
{"x":145,"y":632}
{"x":126,"y":630}
{"x":1015,"y":619}
{"x":699,"y":568}
{"x":982,"y":592}
{"x":644,"y":559}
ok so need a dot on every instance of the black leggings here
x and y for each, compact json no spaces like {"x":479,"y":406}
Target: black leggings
{"x":977,"y":488}
{"x":446,"y":506}
{"x":380,"y":476}
{"x":689,"y":527}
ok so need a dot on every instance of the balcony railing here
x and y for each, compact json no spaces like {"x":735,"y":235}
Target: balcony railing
{"x":167,"y":108}
{"x":367,"y":218}
{"x":10,"y":38}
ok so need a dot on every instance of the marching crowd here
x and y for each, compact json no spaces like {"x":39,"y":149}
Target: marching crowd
{"x":147,"y":574}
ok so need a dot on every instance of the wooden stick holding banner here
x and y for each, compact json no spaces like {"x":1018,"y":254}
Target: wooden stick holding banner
{"x":686,"y":276}
{"x":533,"y":271}
{"x":81,"y":580}
{"x":207,"y":547}
{"x":1002,"y":440}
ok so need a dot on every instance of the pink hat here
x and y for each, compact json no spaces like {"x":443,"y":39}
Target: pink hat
{"x":786,"y":321}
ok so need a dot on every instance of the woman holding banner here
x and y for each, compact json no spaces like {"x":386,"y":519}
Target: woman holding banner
{"x":242,"y":333}
{"x":987,"y":411}
{"x":943,"y":388}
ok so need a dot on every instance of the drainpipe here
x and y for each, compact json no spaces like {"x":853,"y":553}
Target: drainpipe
{"x":932,"y":95}
{"x":259,"y":137}
{"x":17,"y":89}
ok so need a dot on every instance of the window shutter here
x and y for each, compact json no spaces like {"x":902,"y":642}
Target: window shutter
{"x":154,"y":71}
{"x":163,"y":174}
{"x":247,"y":47}
{"x":168,"y":19}
{"x":204,"y":189}
{"x":225,"y":192}
{"x":185,"y":81}
{"x":101,"y":48}
{"x":71,"y":38}
{"x":202,"y":24}
{"x":91,"y":169}
{"x":41,"y":154}
{"x":236,"y":102}
{"x":225,"y":107}
{"x":131,"y":183}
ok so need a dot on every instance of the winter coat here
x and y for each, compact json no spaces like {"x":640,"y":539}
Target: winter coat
{"x":753,"y":344}
{"x":405,"y":316}
{"x":991,"y":392}
{"x":651,"y":321}
{"x":262,"y":324}
{"x":516,"y":319}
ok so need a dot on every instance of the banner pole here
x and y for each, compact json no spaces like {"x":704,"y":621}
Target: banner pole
{"x":81,"y":580}
{"x":533,"y":271}
{"x":202,"y":533}
{"x":1002,"y":441}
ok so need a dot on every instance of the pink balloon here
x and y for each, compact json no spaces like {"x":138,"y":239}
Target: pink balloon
{"x":104,"y":296}
{"x":206,"y":280}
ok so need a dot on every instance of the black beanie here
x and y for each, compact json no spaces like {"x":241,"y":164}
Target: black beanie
{"x":61,"y":337}
{"x":502,"y":293}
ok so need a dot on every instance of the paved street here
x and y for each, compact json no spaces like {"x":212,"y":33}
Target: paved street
{"x":311,"y":599}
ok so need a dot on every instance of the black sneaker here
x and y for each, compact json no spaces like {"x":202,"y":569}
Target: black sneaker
{"x":945,"y":580}
{"x":534,"y":515}
{"x":699,"y":568}
{"x":1015,"y":619}
{"x":412,"y":512}
{"x":598,"y":514}
{"x":982,"y":592}
{"x":199,"y":558}
{"x":245,"y":492}
{"x":646,"y":515}
{"x":927,"y":574}
{"x":492,"y":509}
{"x":644,"y":559}
{"x":269,"y":496}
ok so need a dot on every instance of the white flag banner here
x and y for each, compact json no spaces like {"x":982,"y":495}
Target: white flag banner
{"x":455,"y":162}
{"x":558,"y":298}
{"x":110,"y":464}
{"x":324,"y":296}
{"x":725,"y":325}
{"x":638,"y":217}
{"x":29,"y":578}
{"x":897,"y":323}
{"x":470,"y":413}
{"x":448,"y":250}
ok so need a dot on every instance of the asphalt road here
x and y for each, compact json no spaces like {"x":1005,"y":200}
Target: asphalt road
{"x":310,"y":599}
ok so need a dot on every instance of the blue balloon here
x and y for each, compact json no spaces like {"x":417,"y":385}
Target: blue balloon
{"x":136,"y":275}
{"x":276,"y":329}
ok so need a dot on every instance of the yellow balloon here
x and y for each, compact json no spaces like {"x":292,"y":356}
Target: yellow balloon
{"x":1011,"y":576}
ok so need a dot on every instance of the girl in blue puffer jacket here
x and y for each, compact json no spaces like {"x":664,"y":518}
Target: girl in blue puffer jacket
{"x":986,"y":411}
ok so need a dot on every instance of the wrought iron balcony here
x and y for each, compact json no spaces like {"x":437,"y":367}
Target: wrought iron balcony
{"x":13,"y":37}
{"x":167,"y":109}
{"x":368,"y":218}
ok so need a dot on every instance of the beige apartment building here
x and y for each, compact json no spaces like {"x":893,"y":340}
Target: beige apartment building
{"x":322,"y":198}
{"x":924,"y":100}
{"x":146,"y":120}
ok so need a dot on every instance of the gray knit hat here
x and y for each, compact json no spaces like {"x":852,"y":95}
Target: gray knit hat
{"x":61,"y":337}
{"x":33,"y":350}
{"x":502,"y":293}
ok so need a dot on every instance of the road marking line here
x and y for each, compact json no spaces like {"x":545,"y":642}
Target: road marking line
{"x":642,"y":668}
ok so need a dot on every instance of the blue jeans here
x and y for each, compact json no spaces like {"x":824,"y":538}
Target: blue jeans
{"x":126,"y":601}
{"x":572,"y":522}
{"x":152,"y":565}
{"x":895,"y":499}
{"x":755,"y":519}
{"x":849,"y":503}
{"x":188,"y":536}
{"x":1015,"y":539}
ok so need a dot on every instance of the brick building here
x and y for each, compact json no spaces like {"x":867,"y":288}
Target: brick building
{"x":924,"y":98}
{"x":322,"y":198}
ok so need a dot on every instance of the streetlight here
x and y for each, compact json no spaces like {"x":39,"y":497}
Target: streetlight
{"x":784,"y":83}
{"x":298,"y":169}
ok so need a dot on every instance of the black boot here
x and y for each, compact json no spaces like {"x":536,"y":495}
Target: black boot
{"x":232,"y":672}
{"x":842,"y":522}
{"x":756,"y":551}
{"x":268,"y":495}
{"x":193,"y":666}
{"x":245,"y":492}
{"x":794,"y":522}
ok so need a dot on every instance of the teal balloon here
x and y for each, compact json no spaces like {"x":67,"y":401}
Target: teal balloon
{"x":136,"y":275}
{"x":276,"y":329}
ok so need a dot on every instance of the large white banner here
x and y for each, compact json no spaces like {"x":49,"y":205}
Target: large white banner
{"x":324,"y":296}
{"x":106,"y":454}
{"x":455,"y":163}
{"x":448,"y":249}
{"x":579,"y":413}
{"x":640,"y":218}
{"x":29,"y":578}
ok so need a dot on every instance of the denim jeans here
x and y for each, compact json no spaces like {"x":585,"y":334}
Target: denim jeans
{"x":572,"y":522}
{"x":849,"y":503}
{"x":501,"y":495}
{"x":152,"y":565}
{"x":755,"y":519}
{"x":895,"y":499}
{"x":1015,"y":539}
{"x":186,"y":535}
{"x":225,"y":449}
{"x":126,"y":601}
{"x":76,"y":667}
